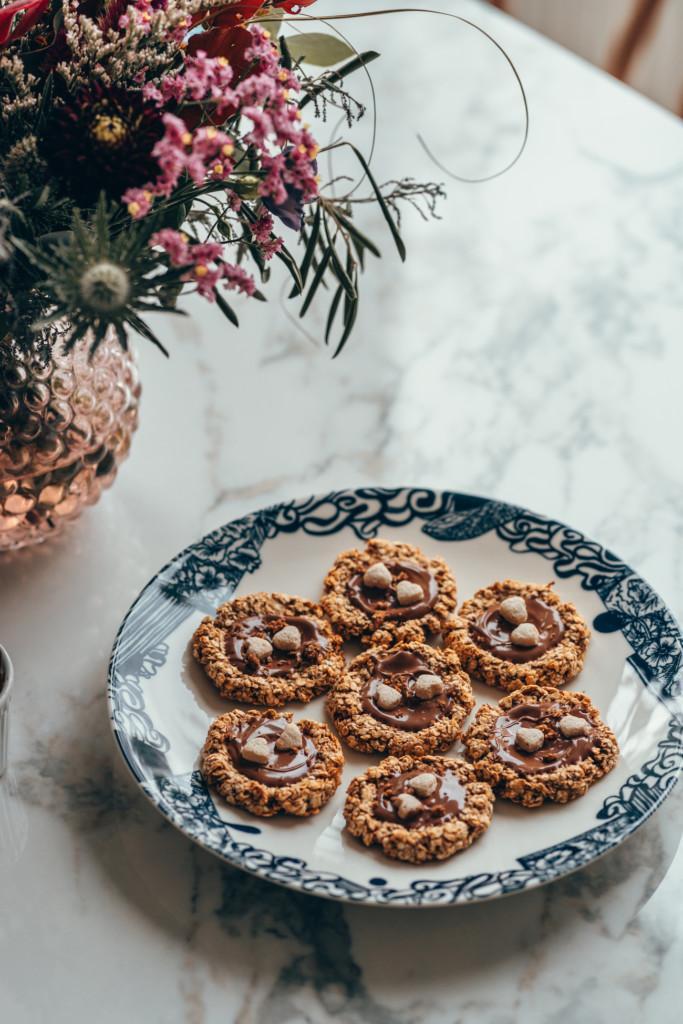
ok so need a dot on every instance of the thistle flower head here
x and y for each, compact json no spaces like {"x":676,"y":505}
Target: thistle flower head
{"x":105,"y":287}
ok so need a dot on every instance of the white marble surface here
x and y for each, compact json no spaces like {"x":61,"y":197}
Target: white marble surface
{"x":529,"y":350}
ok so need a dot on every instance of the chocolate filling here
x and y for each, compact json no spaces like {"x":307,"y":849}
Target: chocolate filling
{"x":279,"y":663}
{"x":283,"y":766}
{"x":492,"y":632}
{"x":445,"y":803}
{"x":400,"y":670}
{"x":556,"y":752}
{"x":372,"y":600}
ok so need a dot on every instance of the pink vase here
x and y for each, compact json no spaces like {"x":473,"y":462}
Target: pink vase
{"x":66,"y":423}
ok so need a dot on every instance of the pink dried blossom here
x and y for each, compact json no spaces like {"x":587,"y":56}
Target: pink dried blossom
{"x":139,"y":202}
{"x":206,"y":280}
{"x":262,"y":228}
{"x":238,"y":279}
{"x":199,"y":256}
{"x":175,"y":244}
{"x":202,"y":79}
{"x":271,"y":247}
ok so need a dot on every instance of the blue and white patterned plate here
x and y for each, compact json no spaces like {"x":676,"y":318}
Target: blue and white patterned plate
{"x":161,"y":703}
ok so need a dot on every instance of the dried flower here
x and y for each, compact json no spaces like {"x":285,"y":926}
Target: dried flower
{"x":105,"y":287}
{"x":149,"y":150}
{"x":102,"y":138}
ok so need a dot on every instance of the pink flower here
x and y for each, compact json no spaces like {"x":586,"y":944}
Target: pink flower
{"x":139,"y":202}
{"x":201,"y":79}
{"x":199,"y":257}
{"x":238,"y":279}
{"x":175,"y":244}
{"x":139,"y":14}
{"x":206,"y":280}
{"x":271,"y":247}
{"x":262,"y":228}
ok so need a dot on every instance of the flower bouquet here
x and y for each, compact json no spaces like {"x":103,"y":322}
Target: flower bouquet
{"x":150,"y":148}
{"x":156,"y":147}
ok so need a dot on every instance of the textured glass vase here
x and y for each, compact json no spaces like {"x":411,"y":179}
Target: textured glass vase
{"x":66,"y":422}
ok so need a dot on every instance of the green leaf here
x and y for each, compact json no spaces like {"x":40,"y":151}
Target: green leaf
{"x":350,"y":314}
{"x":286,"y":61}
{"x":310,"y":249}
{"x":286,"y":257}
{"x":333,"y":312}
{"x":99,"y":334}
{"x":322,"y":267}
{"x":76,"y":334}
{"x":319,"y":48}
{"x":226,"y":309}
{"x":350,"y":308}
{"x":381,"y":202}
{"x":141,"y":327}
{"x":363,"y":240}
{"x":339,"y":272}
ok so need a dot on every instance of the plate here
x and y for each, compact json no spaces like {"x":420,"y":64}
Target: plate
{"x":161,"y":703}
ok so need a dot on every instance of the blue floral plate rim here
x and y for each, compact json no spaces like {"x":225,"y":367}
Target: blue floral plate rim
{"x":207,"y":572}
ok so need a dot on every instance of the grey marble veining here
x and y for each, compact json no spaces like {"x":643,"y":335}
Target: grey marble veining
{"x":530,"y":349}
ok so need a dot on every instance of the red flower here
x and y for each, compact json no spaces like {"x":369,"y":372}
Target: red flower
{"x":224,"y":34}
{"x":32,"y":11}
{"x":236,"y":14}
{"x":293,"y":6}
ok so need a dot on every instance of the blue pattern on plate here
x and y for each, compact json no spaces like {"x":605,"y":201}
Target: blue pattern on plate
{"x":208,"y":572}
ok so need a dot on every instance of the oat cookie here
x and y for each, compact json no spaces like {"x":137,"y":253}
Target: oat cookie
{"x":261,"y":761}
{"x":541,"y":743}
{"x":514,"y":634}
{"x":418,"y":808}
{"x":269,"y":649}
{"x":407,"y":699}
{"x":388,"y":591}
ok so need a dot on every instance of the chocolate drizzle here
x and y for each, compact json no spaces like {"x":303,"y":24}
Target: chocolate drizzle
{"x":556,"y":752}
{"x":283,"y":766}
{"x":280,"y":663}
{"x":400,"y":670}
{"x":445,"y":803}
{"x":492,"y":632}
{"x":374,"y":601}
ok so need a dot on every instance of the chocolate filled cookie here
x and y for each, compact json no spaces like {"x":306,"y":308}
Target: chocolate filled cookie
{"x":418,"y":808}
{"x":269,"y":649}
{"x":514,"y":634}
{"x":265,"y":763}
{"x":388,"y":591}
{"x":407,"y":699}
{"x":541,"y":743}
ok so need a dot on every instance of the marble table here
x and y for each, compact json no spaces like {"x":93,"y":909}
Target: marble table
{"x":529,"y":350}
